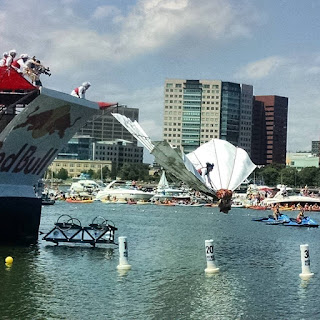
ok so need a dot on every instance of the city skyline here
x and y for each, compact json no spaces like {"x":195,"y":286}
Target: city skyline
{"x":127,"y":49}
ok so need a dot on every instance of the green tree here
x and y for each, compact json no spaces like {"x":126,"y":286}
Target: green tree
{"x":114,"y":170}
{"x":134,"y":171}
{"x":289,"y":176}
{"x":62,"y":174}
{"x":103,"y":173}
{"x":91,"y":173}
{"x":106,"y":172}
{"x":270,"y":175}
{"x":309,"y":176}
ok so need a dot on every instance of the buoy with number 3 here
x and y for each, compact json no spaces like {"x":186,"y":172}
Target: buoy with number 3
{"x":305,"y":262}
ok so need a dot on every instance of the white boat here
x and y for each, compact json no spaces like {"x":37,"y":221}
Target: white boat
{"x":287,"y":196}
{"x":121,"y":191}
{"x":89,"y":186}
{"x":165,"y":192}
{"x":237,"y":204}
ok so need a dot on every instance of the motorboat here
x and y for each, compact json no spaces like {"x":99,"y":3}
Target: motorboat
{"x":122,"y":191}
{"x":47,"y":200}
{"x":86,"y":185}
{"x":286,"y":196}
{"x":236,"y":203}
{"x":166,"y":193}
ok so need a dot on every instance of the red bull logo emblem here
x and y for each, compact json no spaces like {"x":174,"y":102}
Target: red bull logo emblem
{"x":26,"y":160}
{"x":48,"y":122}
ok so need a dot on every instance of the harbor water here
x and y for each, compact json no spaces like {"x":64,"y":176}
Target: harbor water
{"x":258,"y":278}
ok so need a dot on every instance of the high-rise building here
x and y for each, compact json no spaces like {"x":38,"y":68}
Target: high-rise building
{"x":196,"y":111}
{"x":104,"y":127}
{"x":315,"y":148}
{"x":118,"y":151}
{"x":78,"y":147}
{"x":269,"y":134}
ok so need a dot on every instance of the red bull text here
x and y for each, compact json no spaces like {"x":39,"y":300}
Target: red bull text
{"x":26,"y":160}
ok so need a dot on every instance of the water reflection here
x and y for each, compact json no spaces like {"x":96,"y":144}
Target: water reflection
{"x":23,"y":285}
{"x":258,"y":278}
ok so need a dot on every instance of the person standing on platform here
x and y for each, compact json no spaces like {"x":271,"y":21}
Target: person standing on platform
{"x":20,"y":64}
{"x":11,"y":56}
{"x":81,"y":91}
{"x":4,"y":59}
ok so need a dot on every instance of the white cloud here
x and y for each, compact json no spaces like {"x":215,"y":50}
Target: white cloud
{"x":105,"y":12}
{"x":262,"y":68}
{"x":295,"y":77}
{"x":154,"y":23}
{"x":67,"y":40}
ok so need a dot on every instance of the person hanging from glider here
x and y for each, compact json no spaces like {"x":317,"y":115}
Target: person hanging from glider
{"x":80,"y":91}
{"x":204,"y":172}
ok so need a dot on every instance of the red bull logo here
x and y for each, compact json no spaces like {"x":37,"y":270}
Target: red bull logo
{"x":26,"y":160}
{"x":48,"y":122}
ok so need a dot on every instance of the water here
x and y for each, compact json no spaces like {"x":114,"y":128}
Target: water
{"x":258,"y":278}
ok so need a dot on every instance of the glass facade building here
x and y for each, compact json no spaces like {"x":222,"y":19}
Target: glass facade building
{"x":197,"y":111}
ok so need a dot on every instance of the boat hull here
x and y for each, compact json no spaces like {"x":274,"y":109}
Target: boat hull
{"x":20,"y":220}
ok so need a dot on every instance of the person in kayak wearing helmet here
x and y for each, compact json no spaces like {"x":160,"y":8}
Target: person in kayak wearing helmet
{"x":80,"y":91}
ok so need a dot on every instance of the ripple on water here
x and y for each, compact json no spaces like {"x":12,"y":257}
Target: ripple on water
{"x":258,"y":278}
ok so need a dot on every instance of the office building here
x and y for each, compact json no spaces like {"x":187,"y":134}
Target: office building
{"x":104,"y":127}
{"x":315,"y":148}
{"x":76,"y":167}
{"x":118,"y":152}
{"x":302,"y":160}
{"x":196,"y":111}
{"x":269,"y":134}
{"x":78,"y":147}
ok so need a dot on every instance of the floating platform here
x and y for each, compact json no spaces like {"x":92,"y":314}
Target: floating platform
{"x":70,"y":230}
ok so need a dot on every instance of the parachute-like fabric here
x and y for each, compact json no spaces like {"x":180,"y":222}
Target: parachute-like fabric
{"x":173,"y":161}
{"x":135,"y":129}
{"x":232,"y":165}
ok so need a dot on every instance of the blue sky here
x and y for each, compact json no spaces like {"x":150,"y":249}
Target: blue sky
{"x":127,"y":49}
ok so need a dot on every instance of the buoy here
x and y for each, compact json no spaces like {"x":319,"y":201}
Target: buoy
{"x":211,"y":267}
{"x":305,"y":262}
{"x":123,"y":254}
{"x":8,"y":260}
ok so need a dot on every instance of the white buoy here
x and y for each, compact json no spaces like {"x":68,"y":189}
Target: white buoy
{"x":211,"y":267}
{"x":305,"y":262}
{"x":123,"y":254}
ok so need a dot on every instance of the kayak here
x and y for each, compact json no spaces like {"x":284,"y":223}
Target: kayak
{"x":79,"y":201}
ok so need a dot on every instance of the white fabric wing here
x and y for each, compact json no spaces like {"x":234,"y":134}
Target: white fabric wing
{"x":232,"y":165}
